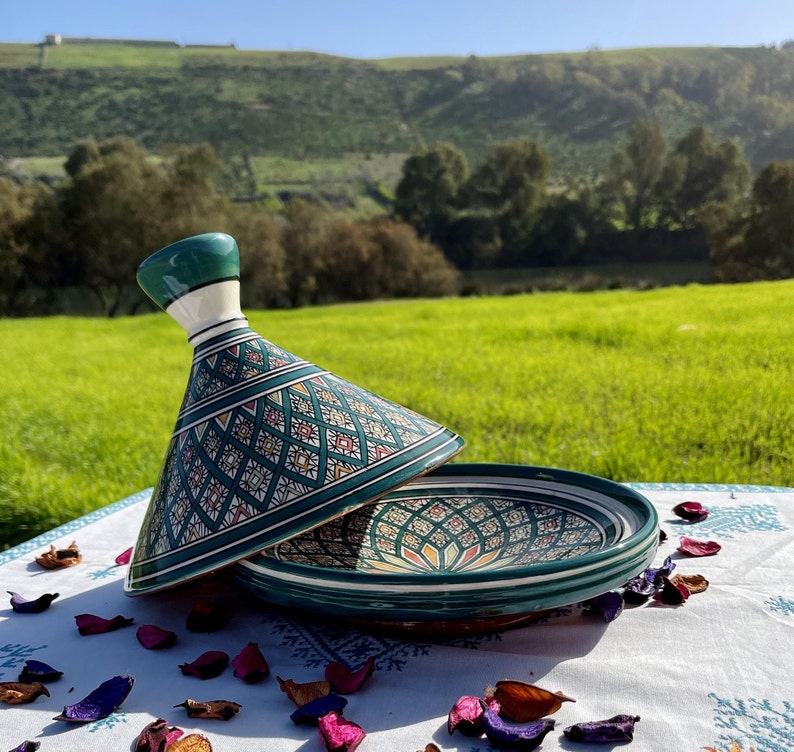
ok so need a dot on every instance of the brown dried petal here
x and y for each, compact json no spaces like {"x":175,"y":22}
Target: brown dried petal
{"x":524,"y":702}
{"x":430,"y":748}
{"x":301,"y":694}
{"x":222,"y":710}
{"x":694,"y":583}
{"x":19,"y":693}
{"x":57,"y":558}
{"x":191,"y":743}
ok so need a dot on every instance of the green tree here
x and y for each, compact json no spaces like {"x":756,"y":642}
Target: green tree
{"x":699,"y":171}
{"x":304,"y":239}
{"x":759,"y":245}
{"x":111,"y":212}
{"x":511,"y":184}
{"x":428,"y":193}
{"x":632,"y":176}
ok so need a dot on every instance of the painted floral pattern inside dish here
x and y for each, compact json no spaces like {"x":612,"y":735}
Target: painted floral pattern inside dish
{"x":448,"y":533}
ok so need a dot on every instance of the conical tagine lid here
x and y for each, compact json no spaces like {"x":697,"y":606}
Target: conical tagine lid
{"x":266,"y":445}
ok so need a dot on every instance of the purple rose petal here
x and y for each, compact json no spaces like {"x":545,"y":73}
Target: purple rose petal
{"x":207,"y":666}
{"x":638,"y":590}
{"x":100,"y":703}
{"x":27,"y":747}
{"x":656,"y":575}
{"x":36,"y":671}
{"x":89,"y":624}
{"x":608,"y":606}
{"x":619,"y":728}
{"x":525,"y":736}
{"x":22,"y":606}
{"x":310,"y":713}
{"x":154,"y":638}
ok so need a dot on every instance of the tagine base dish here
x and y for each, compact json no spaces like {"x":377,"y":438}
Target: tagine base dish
{"x":468,"y":547}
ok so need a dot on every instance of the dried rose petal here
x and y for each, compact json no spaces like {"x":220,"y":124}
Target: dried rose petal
{"x":339,"y":734}
{"x":36,"y":671}
{"x":310,"y":713}
{"x":672,"y":594}
{"x":155,"y":737}
{"x":124,"y":557}
{"x":57,"y":558}
{"x":300,"y":694}
{"x":694,"y":583}
{"x":522,"y":736}
{"x":522,"y":702}
{"x":221,"y":710}
{"x":430,"y":748}
{"x":99,"y":703}
{"x":21,"y":693}
{"x":638,"y":590}
{"x":662,"y":536}
{"x":27,"y":746}
{"x":691,"y":511}
{"x":191,"y":743}
{"x":608,"y":606}
{"x":345,"y":681}
{"x":692,"y":547}
{"x":204,"y":617}
{"x":466,"y":716}
{"x":619,"y":728}
{"x":154,"y":638}
{"x":89,"y":624}
{"x":656,"y":575}
{"x":207,"y":666}
{"x":22,"y":606}
{"x":250,"y":665}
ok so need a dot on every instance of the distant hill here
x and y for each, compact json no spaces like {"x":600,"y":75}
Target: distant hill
{"x":578,"y":106}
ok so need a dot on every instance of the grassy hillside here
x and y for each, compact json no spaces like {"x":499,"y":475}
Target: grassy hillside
{"x":304,"y":105}
{"x":681,"y":384}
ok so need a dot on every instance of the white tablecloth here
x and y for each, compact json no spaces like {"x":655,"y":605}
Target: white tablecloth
{"x":715,"y":671}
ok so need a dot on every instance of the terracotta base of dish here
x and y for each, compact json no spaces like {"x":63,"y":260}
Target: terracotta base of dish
{"x":444,"y":629}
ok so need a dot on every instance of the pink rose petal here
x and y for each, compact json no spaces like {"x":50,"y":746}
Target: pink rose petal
{"x":692,"y":547}
{"x":124,"y":557}
{"x":338,"y":734}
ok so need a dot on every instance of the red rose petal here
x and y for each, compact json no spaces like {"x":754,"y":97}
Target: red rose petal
{"x":207,"y":666}
{"x":155,"y":638}
{"x":692,"y":547}
{"x":345,"y":681}
{"x":691,"y":511}
{"x":250,"y":665}
{"x":89,"y":624}
{"x":124,"y":557}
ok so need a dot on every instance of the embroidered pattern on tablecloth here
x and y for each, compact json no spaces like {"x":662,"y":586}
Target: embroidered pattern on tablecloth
{"x":13,"y":655}
{"x":746,"y":518}
{"x":753,"y":722}
{"x":780,"y":605}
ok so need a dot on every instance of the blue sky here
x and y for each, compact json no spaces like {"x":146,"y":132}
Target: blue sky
{"x":386,"y":28}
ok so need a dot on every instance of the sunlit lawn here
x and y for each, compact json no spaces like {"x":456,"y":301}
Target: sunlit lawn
{"x":679,"y":384}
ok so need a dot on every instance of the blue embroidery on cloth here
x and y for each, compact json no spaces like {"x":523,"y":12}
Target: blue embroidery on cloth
{"x":755,"y":723}
{"x":781,"y":605}
{"x":108,"y":722}
{"x":15,"y":654}
{"x":747,"y":518}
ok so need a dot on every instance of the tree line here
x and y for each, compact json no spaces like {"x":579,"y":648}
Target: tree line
{"x":119,"y":203}
{"x":652,"y":203}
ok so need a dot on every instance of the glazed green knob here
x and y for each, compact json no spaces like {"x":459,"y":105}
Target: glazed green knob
{"x":188,"y":265}
{"x":196,"y":281}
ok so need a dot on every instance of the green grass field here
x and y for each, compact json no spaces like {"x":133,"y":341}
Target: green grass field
{"x":676,"y":384}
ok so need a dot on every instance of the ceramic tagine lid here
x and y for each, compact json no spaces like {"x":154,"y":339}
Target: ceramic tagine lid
{"x":266,"y":445}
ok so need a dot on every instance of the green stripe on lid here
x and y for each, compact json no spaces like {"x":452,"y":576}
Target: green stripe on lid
{"x":188,"y":265}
